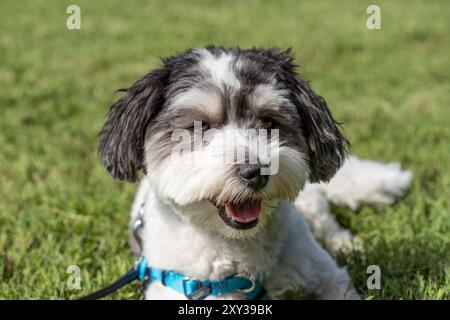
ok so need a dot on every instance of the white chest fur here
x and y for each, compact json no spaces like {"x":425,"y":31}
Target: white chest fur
{"x":171,"y":243}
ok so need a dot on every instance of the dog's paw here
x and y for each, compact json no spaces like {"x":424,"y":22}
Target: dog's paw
{"x":342,"y":241}
{"x":365,"y":181}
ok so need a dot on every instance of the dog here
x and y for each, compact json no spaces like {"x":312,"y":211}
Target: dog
{"x":240,"y":227}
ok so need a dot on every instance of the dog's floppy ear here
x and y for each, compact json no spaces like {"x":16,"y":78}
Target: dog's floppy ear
{"x":122,"y":137}
{"x":327,"y":147}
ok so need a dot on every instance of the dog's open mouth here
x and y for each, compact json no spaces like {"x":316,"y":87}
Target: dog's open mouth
{"x":240,"y":215}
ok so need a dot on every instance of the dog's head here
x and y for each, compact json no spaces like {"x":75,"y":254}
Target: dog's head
{"x":223,"y":135}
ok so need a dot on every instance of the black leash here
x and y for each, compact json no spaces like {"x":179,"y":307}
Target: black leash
{"x":128,"y":277}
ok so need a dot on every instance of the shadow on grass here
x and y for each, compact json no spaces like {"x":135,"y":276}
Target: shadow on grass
{"x":420,"y":264}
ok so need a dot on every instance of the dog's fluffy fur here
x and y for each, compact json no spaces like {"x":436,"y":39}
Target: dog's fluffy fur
{"x":233,"y":91}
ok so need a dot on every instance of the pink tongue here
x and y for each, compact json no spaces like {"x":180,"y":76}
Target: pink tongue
{"x":246,"y":212}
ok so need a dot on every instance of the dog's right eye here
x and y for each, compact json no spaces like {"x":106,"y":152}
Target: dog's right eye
{"x":205,"y":126}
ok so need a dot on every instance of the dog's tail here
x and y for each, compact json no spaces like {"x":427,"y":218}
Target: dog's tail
{"x":366,"y":181}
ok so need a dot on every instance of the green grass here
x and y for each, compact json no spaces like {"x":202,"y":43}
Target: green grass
{"x":59,"y":206}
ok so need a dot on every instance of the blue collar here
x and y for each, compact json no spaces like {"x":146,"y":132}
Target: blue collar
{"x":194,"y":289}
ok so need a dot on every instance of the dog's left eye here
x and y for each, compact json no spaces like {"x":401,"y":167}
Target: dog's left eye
{"x":205,"y":126}
{"x":268,"y":123}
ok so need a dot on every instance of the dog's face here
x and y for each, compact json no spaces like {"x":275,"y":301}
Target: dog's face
{"x":223,"y":135}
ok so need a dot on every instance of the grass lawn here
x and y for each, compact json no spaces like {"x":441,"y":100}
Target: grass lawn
{"x":59,"y":206}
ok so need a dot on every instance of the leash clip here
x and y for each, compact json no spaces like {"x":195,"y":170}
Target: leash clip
{"x":137,"y":226}
{"x":141,"y":267}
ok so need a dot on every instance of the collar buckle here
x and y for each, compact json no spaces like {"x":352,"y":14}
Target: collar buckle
{"x":200,"y":293}
{"x":252,"y":280}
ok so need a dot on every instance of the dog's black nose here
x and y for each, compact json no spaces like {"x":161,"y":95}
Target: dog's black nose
{"x":251,"y":174}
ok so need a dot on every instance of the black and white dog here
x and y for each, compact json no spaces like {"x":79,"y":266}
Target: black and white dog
{"x":227,"y":139}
